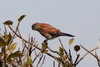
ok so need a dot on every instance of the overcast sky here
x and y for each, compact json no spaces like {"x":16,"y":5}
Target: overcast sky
{"x":78,"y":17}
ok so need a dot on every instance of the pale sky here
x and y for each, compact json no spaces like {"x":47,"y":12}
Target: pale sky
{"x":78,"y":17}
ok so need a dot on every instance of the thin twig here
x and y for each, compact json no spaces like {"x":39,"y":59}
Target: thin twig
{"x":5,"y":29}
{"x":36,"y":57}
{"x":39,"y":60}
{"x":63,"y":46}
{"x":58,"y":64}
{"x":53,"y":51}
{"x":78,"y":55}
{"x":88,"y":51}
{"x":92,"y":54}
{"x":85,"y":55}
{"x":70,"y":56}
{"x":98,"y":60}
{"x":53,"y":63}
{"x":42,"y":61}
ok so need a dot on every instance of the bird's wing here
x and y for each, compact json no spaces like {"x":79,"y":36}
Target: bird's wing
{"x":47,"y":28}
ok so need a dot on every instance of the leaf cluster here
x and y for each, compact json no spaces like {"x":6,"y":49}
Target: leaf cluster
{"x":32,"y":55}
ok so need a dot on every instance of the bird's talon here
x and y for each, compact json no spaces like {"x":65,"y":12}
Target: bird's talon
{"x":45,"y":41}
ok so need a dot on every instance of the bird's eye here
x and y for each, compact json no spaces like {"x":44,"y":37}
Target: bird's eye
{"x":33,"y":27}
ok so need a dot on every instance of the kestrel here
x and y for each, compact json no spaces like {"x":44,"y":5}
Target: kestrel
{"x":48,"y":31}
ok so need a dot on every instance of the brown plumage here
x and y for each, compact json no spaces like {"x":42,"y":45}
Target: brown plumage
{"x":48,"y":31}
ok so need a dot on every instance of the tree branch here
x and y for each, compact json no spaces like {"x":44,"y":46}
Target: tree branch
{"x":92,"y":55}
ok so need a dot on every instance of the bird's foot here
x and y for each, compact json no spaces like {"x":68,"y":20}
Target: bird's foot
{"x":45,"y":41}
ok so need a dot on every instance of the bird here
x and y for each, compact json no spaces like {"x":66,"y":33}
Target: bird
{"x":48,"y":31}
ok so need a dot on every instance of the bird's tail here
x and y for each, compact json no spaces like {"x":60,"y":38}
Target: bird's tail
{"x":65,"y":34}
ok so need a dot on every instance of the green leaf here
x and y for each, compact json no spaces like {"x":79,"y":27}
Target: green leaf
{"x":8,"y":38}
{"x":44,"y":51}
{"x":76,"y":48}
{"x":11,"y":47}
{"x":71,"y":41}
{"x":61,"y":51}
{"x":68,"y":64}
{"x":65,"y":56}
{"x":29,"y":60}
{"x":21,"y":18}
{"x":3,"y":49}
{"x":9,"y":41}
{"x":8,"y":58}
{"x":25,"y":64}
{"x":17,"y":54}
{"x":2,"y":42}
{"x":9,"y":22}
{"x":1,"y":55}
{"x":44,"y":45}
{"x":14,"y":55}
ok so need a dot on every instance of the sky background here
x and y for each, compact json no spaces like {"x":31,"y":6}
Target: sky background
{"x":78,"y":17}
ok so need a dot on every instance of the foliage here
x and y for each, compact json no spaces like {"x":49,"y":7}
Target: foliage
{"x":12,"y":57}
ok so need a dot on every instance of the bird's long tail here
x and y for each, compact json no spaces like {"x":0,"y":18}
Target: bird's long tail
{"x":65,"y":34}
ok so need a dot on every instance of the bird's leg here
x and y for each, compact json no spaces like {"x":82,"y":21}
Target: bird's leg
{"x":45,"y":41}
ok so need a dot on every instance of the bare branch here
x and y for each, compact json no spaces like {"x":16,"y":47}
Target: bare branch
{"x":36,"y":57}
{"x":53,"y":51}
{"x":39,"y":60}
{"x":53,"y":63}
{"x":78,"y":55}
{"x":90,"y":53}
{"x":86,"y":55}
{"x":42,"y":61}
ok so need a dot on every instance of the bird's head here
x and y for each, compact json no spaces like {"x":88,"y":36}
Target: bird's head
{"x":35,"y":26}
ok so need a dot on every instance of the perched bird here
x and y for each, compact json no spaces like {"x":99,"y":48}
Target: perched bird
{"x":48,"y":31}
